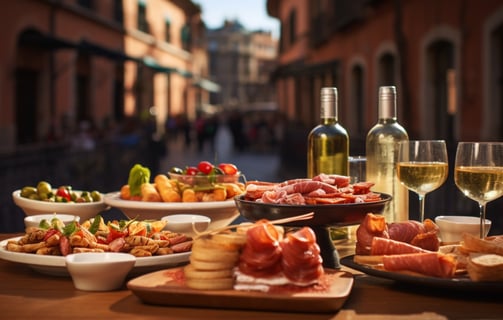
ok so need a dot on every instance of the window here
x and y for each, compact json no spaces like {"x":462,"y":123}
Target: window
{"x":142,"y":16}
{"x":387,"y":70}
{"x":118,"y":11}
{"x":292,"y":27}
{"x":186,"y":37}
{"x":167,"y":29}
{"x":440,"y":59}
{"x":357,"y":97}
{"x":89,"y":4}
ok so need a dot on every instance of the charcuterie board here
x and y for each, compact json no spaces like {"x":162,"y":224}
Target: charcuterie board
{"x":167,"y":288}
{"x":461,"y":282}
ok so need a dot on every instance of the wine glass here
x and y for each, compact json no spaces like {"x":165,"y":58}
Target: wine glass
{"x":478,"y":173}
{"x":422,"y":167}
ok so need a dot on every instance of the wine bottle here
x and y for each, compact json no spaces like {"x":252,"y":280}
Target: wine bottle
{"x":328,"y":142}
{"x":382,"y":153}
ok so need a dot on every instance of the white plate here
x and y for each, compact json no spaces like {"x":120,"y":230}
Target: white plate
{"x":55,"y":265}
{"x":221,"y":213}
{"x":85,"y":210}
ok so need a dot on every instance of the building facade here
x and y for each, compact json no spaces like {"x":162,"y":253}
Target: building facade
{"x":444,"y":57}
{"x":241,"y":61}
{"x":68,"y":64}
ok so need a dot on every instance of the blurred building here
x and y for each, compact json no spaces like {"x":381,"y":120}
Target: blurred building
{"x":241,"y":61}
{"x":445,"y":58}
{"x":70,"y":64}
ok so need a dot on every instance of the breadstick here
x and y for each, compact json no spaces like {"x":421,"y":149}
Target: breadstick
{"x":189,"y":196}
{"x":166,"y":189}
{"x":149,"y":193}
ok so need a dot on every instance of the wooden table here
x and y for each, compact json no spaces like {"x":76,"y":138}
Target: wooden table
{"x":27,"y":294}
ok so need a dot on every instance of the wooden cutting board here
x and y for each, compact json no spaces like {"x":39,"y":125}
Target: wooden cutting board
{"x":166,"y":287}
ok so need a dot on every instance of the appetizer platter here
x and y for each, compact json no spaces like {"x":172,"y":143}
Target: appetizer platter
{"x":258,"y":266}
{"x":461,"y":282}
{"x":411,"y":252}
{"x":44,"y":248}
{"x":206,"y":189}
{"x":85,"y":209}
{"x":55,"y":265}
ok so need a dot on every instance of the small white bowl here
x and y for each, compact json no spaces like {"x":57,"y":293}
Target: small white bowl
{"x":453,"y":227}
{"x":34,"y":221}
{"x":186,"y":223}
{"x":85,"y":210}
{"x":99,"y":271}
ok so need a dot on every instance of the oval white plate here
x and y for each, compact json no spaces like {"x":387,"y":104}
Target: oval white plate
{"x":55,"y":265}
{"x":221,"y":213}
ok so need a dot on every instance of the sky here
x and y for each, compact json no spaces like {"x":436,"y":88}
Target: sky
{"x":251,"y":13}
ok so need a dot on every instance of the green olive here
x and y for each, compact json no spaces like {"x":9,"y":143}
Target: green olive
{"x":27,"y":191}
{"x":44,"y":187}
{"x":95,"y":195}
{"x":176,"y":170}
{"x":85,"y":197}
{"x":34,"y":196}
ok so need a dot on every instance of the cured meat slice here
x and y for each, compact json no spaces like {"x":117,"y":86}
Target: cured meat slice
{"x":427,"y":240}
{"x":333,"y":179}
{"x":371,"y":226}
{"x":261,"y":254}
{"x":424,"y":235}
{"x":405,"y":230}
{"x":430,"y":264}
{"x":300,"y":249}
{"x":305,"y":187}
{"x":383,"y":246}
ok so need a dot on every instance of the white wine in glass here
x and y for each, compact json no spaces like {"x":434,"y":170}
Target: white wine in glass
{"x":478,"y":173}
{"x":422,"y":167}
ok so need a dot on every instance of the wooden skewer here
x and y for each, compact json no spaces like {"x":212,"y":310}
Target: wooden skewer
{"x":305,"y":216}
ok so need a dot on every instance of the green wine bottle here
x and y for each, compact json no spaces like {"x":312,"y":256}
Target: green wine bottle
{"x":328,"y":142}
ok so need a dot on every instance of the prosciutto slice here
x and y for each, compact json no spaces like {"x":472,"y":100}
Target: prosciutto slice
{"x":301,"y":261}
{"x":382,"y":246}
{"x":430,"y":264}
{"x":372,"y":226}
{"x":261,"y":255}
{"x":423,"y":235}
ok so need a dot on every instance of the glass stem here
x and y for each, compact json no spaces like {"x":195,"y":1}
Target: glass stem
{"x":482,"y":208}
{"x":421,"y":207}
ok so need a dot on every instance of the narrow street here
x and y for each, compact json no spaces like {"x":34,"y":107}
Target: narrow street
{"x":255,"y":165}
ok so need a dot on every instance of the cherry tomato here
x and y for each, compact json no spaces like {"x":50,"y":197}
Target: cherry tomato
{"x":115,"y":232}
{"x":64,"y":193}
{"x":205,"y":167}
{"x":228,"y":168}
{"x":191,"y":171}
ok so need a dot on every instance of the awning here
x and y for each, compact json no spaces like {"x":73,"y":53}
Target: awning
{"x":202,"y":83}
{"x":151,"y":63}
{"x":302,"y":67}
{"x":35,"y":38}
{"x":96,"y":49}
{"x":207,"y":85}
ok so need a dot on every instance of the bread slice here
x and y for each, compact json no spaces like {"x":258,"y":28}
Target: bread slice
{"x":485,"y":267}
{"x":473,"y":243}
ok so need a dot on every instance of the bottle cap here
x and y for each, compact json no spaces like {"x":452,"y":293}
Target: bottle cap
{"x":329,"y":94}
{"x":329,"y":102}
{"x":387,"y":102}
